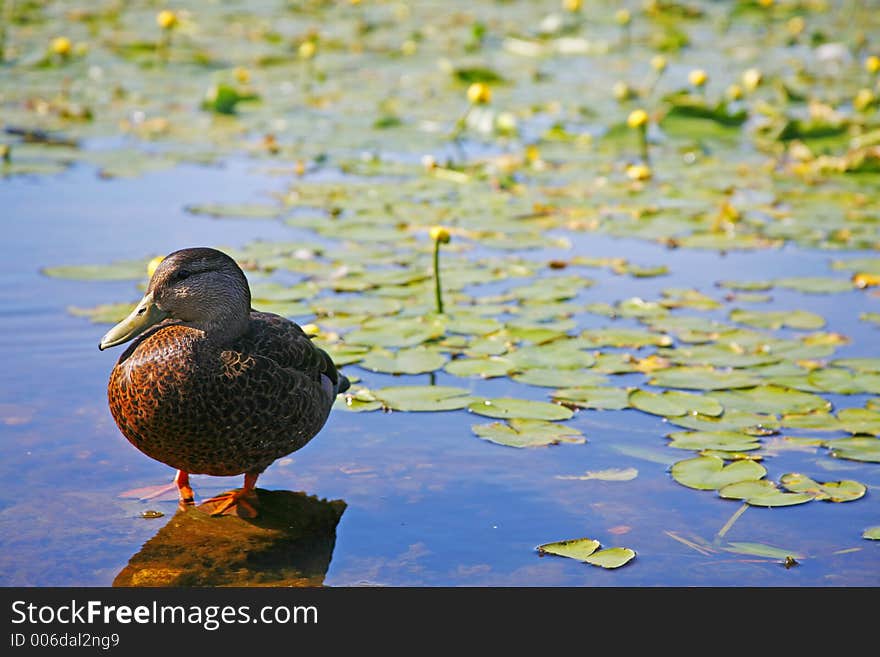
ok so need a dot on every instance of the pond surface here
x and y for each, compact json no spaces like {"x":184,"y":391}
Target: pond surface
{"x":730,"y":256}
{"x":428,"y":503}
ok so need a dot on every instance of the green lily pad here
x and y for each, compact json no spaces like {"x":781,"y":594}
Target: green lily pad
{"x":872,"y":533}
{"x":576,"y":548}
{"x":673,"y":403}
{"x":508,"y":407}
{"x":110,"y":313}
{"x":860,"y":421}
{"x":633,"y":338}
{"x":772,"y":399}
{"x":414,"y":360}
{"x":728,"y":441}
{"x":121,"y":270}
{"x":844,"y":382}
{"x":816,"y":421}
{"x":710,"y":473}
{"x":860,"y":448}
{"x":611,"y":558}
{"x":423,"y":398}
{"x":358,"y":401}
{"x":761,"y":493}
{"x":597,"y":397}
{"x":834,"y":491}
{"x":776,"y":319}
{"x":754,"y":424}
{"x":236,"y":210}
{"x":559,"y":355}
{"x":486,"y":367}
{"x":815,"y":284}
{"x":527,"y":433}
{"x":395,"y":332}
{"x":343,"y":354}
{"x":611,"y":474}
{"x":553,"y":378}
{"x":703,"y":378}
{"x":871,"y":365}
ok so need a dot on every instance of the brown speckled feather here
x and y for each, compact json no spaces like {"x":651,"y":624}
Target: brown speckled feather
{"x":226,"y":409}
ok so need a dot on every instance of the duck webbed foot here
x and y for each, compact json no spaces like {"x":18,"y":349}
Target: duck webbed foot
{"x":180,"y":486}
{"x":241,"y":502}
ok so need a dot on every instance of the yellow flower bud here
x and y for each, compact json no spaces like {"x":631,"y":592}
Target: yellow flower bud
{"x":864,"y":99}
{"x":637,"y":119}
{"x":571,"y":5}
{"x":872,"y":64}
{"x":751,"y":79}
{"x":307,"y":49}
{"x":796,"y":25}
{"x":242,"y":75}
{"x":734,"y":92}
{"x":479,"y":93}
{"x":658,"y":63}
{"x":698,"y":77}
{"x":622,"y":91}
{"x":151,"y":266}
{"x":638,"y":172}
{"x":440,"y":234}
{"x":623,"y":17}
{"x":166,"y":19}
{"x":61,"y":46}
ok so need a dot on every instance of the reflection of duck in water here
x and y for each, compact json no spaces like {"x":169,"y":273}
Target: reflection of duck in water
{"x":211,"y":386}
{"x":290,"y":544}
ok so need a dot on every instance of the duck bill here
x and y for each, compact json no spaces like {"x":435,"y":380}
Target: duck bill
{"x":144,"y":315}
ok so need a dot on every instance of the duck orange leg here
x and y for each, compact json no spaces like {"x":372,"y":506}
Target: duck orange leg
{"x":180,"y":485}
{"x":238,"y":502}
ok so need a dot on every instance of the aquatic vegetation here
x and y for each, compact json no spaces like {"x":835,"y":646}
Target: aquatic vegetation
{"x":520,"y":138}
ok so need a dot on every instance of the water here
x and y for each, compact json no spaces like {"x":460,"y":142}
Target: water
{"x":427,"y":503}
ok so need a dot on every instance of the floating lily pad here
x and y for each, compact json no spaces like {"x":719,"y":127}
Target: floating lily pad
{"x":236,"y":210}
{"x":844,"y":382}
{"x":414,"y":360}
{"x":772,"y":399}
{"x":860,"y":421}
{"x":121,"y":270}
{"x":558,"y":355}
{"x":703,"y":378}
{"x":576,"y":548}
{"x":109,"y":313}
{"x":776,"y":319}
{"x":673,"y":403}
{"x":633,"y":338}
{"x":761,"y":493}
{"x":527,"y":433}
{"x":860,"y":448}
{"x":727,"y":441}
{"x":815,"y":284}
{"x":553,"y":378}
{"x":423,"y":398}
{"x":598,"y":397}
{"x":872,"y":533}
{"x":395,"y":332}
{"x":834,"y":491}
{"x":611,"y":474}
{"x":710,"y":473}
{"x":508,"y":407}
{"x":817,"y":421}
{"x":753,"y":424}
{"x":486,"y":367}
{"x":611,"y":558}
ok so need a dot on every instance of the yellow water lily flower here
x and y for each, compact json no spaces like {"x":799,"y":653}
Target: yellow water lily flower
{"x":440,"y":234}
{"x":61,"y":46}
{"x":637,"y":119}
{"x":167,"y":19}
{"x":479,"y":93}
{"x":698,"y":77}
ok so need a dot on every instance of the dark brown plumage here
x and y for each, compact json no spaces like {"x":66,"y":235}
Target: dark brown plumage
{"x":211,"y":386}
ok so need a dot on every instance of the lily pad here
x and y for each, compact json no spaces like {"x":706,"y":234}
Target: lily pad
{"x":486,"y":367}
{"x":121,"y":270}
{"x":772,"y":399}
{"x":872,"y":533}
{"x":236,"y":210}
{"x":553,"y":378}
{"x":423,"y":398}
{"x":728,"y":441}
{"x":576,"y":548}
{"x":611,"y":474}
{"x":710,"y":473}
{"x":834,"y":491}
{"x":673,"y":403}
{"x":703,"y":378}
{"x":860,"y":421}
{"x":598,"y":397}
{"x":760,"y":550}
{"x":776,"y":319}
{"x":414,"y":360}
{"x":761,"y":493}
{"x":508,"y":407}
{"x":527,"y":433}
{"x":860,"y":448}
{"x":611,"y":557}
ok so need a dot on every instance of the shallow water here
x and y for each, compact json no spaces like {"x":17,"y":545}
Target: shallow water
{"x":428,"y":503}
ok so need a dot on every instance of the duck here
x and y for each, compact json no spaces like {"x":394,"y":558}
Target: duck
{"x":212,"y":386}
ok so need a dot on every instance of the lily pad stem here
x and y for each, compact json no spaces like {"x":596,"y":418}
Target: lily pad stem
{"x":438,"y":291}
